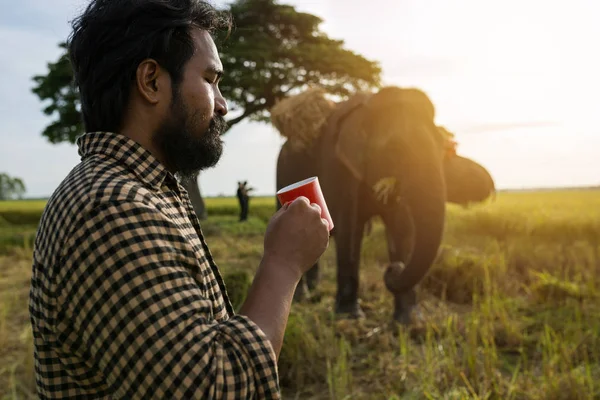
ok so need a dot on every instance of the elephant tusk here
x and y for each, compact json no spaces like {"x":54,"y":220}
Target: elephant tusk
{"x":383,"y":188}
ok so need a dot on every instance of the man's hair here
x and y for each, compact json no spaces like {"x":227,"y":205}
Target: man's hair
{"x":112,"y":37}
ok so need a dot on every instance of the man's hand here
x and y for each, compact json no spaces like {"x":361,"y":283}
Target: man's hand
{"x":295,"y":239}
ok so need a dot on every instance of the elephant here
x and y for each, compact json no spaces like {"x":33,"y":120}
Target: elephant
{"x":467,"y":181}
{"x":377,"y":154}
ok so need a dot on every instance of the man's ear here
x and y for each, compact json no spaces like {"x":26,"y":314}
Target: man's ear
{"x":149,"y":78}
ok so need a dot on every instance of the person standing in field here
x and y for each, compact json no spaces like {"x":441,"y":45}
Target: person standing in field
{"x":243,"y":195}
{"x":126,"y":300}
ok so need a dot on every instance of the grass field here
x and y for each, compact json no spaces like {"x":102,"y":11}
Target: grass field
{"x":512,"y":307}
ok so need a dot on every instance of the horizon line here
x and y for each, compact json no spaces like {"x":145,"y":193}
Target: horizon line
{"x":504,"y":190}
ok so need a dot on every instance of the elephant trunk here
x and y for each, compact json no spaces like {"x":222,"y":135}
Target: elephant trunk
{"x":427,"y":208}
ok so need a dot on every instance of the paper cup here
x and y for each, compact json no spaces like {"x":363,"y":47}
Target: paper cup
{"x":309,"y":188}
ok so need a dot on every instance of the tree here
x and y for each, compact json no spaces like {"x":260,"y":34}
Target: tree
{"x":273,"y":51}
{"x":11,"y":187}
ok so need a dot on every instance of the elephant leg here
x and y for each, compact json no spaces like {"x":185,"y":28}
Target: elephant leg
{"x":301,"y":292}
{"x":348,"y":247}
{"x":308,"y":282}
{"x":293,"y":166}
{"x":405,"y":305}
{"x":307,"y":285}
{"x":312,"y":277}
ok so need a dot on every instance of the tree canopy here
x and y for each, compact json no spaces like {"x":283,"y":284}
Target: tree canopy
{"x":11,"y":187}
{"x":274,"y":50}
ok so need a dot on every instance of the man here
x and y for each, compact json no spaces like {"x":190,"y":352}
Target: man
{"x":243,"y":195}
{"x":126,"y":300}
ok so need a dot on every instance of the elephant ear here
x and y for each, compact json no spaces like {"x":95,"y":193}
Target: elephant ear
{"x":349,"y":135}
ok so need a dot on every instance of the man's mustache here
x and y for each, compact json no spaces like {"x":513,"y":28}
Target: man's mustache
{"x":218,"y":125}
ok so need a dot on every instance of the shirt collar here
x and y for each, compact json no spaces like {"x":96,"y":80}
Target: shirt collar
{"x":128,"y":152}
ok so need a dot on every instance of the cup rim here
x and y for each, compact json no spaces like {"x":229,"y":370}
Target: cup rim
{"x":297,"y":184}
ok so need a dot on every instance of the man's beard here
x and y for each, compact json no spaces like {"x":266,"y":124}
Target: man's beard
{"x":186,"y":153}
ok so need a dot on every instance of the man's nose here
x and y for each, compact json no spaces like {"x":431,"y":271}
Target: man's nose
{"x":221,"y":105}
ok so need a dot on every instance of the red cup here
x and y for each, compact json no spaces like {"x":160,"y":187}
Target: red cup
{"x":310,"y":189}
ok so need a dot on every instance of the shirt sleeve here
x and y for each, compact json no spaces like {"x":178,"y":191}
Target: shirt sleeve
{"x":128,"y":306}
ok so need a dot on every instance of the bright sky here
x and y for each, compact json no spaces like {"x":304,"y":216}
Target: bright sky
{"x":517,"y":81}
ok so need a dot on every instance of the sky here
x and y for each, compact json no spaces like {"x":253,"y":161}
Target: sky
{"x":516,"y":81}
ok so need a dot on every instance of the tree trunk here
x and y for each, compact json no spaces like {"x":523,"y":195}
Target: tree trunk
{"x":193,"y":189}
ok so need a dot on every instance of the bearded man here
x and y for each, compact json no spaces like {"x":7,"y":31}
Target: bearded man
{"x":126,"y":300}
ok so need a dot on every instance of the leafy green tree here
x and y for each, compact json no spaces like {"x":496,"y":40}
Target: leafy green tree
{"x":11,"y":187}
{"x":273,"y":51}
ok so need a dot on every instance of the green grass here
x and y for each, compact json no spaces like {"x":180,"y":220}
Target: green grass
{"x":21,"y":212}
{"x":511,"y":307}
{"x":20,"y":205}
{"x":28,"y":212}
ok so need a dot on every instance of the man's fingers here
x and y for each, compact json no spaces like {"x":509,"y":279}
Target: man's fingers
{"x":304,"y":199}
{"x":298,"y":200}
{"x":316,"y":207}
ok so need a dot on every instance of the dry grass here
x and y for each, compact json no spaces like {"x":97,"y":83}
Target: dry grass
{"x":301,"y":117}
{"x":16,"y":346}
{"x":511,"y":309}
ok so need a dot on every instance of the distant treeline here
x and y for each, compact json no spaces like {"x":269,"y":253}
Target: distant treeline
{"x":550,"y":189}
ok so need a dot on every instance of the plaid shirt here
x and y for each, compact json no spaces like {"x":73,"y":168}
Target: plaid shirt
{"x":126,"y":300}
